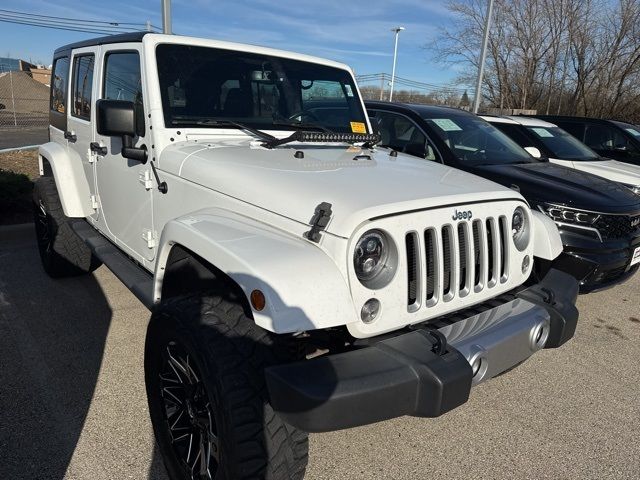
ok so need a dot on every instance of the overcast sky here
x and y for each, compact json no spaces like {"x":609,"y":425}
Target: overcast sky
{"x":357,"y":32}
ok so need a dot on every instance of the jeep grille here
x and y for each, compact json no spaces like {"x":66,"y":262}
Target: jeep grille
{"x":458,"y":261}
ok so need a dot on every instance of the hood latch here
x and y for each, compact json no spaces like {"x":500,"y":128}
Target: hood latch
{"x":319,"y":222}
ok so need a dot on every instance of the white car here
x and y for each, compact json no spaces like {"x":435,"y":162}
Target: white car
{"x":544,"y":139}
{"x":300,"y":279}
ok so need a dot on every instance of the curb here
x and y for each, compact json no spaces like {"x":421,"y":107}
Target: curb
{"x":17,"y":149}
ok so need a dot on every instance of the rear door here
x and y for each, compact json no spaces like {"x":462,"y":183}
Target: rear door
{"x":81,"y":116}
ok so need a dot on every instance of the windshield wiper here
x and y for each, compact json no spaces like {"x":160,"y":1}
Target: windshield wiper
{"x":222,"y":123}
{"x":307,"y":125}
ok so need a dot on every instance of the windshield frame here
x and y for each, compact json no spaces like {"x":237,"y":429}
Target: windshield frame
{"x":272,"y":120}
{"x":519,"y":156}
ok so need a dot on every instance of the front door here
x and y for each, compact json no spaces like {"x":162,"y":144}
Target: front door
{"x":81,"y":116}
{"x":123,"y":191}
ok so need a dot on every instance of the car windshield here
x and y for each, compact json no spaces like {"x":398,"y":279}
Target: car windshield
{"x":201,"y":85}
{"x":629,"y":128}
{"x":563,"y":145}
{"x":475,"y":142}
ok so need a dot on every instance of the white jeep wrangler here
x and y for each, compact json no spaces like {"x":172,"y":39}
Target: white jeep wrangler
{"x":299,"y":279}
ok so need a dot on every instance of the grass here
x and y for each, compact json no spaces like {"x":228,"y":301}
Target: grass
{"x":18,"y":170}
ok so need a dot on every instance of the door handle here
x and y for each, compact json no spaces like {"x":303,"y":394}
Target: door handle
{"x":70,"y":136}
{"x":97,"y":148}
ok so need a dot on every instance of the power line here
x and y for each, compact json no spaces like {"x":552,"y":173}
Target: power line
{"x":70,"y":24}
{"x":74,"y":20}
{"x":56,"y":27}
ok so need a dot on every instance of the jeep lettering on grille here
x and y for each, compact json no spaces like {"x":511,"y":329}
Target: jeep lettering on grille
{"x":468,"y":215}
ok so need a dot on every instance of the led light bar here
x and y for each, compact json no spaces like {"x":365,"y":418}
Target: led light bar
{"x":326,"y":137}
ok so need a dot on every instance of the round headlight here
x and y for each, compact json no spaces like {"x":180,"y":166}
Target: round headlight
{"x":375,"y":259}
{"x":520,"y":228}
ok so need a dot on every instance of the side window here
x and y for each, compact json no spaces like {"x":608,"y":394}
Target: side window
{"x":122,"y":81}
{"x":82,"y":86}
{"x":59,"y":81}
{"x":516,"y":134}
{"x":402,"y":134}
{"x":604,"y":137}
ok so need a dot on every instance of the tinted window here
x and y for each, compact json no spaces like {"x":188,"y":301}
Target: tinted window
{"x":82,"y":86}
{"x":201,"y":85}
{"x":562,"y":145}
{"x":474,"y":141}
{"x":605,"y":137}
{"x":515,"y":133}
{"x":402,"y":134}
{"x":122,"y":81}
{"x":59,"y":80}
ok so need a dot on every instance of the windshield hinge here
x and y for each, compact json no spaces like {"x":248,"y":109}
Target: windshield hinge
{"x":319,"y":222}
{"x":150,"y":237}
{"x":145,"y":179}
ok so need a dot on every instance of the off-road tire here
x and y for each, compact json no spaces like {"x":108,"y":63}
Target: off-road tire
{"x":62,"y":252}
{"x":230,"y":352}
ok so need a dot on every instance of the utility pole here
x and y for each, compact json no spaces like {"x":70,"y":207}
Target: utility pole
{"x":397,"y":30}
{"x":483,"y":57}
{"x":166,"y":16}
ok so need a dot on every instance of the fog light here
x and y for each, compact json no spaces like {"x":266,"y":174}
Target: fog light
{"x":526,"y":262}
{"x":476,"y":365}
{"x":370,"y":310}
{"x":539,"y":336}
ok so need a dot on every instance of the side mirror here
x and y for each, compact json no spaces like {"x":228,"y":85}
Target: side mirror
{"x":534,"y":152}
{"x":117,"y":118}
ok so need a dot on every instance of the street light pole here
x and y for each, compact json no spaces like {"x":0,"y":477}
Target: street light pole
{"x":397,"y":30}
{"x":483,"y":57}
{"x":166,"y":16}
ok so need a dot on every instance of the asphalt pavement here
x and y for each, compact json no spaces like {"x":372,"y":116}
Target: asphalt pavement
{"x":11,"y":137}
{"x":72,"y":400}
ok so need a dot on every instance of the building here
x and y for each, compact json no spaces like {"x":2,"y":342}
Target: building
{"x":40,"y":73}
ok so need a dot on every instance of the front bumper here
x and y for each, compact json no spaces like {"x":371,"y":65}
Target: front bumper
{"x":425,"y":371}
{"x":597,"y":265}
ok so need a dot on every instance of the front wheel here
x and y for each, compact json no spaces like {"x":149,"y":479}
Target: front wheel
{"x":204,"y":372}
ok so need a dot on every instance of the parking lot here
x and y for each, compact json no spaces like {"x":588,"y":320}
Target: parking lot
{"x":72,"y":402}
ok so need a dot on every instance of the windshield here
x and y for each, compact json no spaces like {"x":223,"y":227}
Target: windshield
{"x":201,"y":85}
{"x":563,"y":145}
{"x":475,"y":142}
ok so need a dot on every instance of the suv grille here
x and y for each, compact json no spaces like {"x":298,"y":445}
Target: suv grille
{"x":617,"y":226}
{"x":458,"y":261}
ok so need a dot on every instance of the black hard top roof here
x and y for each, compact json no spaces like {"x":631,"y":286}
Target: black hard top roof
{"x":418,"y":108}
{"x":121,"y":38}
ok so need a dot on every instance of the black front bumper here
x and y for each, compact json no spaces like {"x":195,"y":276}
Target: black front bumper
{"x":407,"y":374}
{"x":597,"y":265}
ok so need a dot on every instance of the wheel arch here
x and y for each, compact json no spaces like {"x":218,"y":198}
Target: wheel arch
{"x":304,"y":289}
{"x":71,"y":181}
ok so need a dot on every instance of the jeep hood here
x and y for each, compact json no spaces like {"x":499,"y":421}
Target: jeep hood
{"x":358,"y":188}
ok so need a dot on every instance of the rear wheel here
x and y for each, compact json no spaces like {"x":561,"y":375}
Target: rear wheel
{"x":62,"y":252}
{"x":204,"y":371}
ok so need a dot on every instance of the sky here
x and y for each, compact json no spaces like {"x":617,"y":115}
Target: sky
{"x":357,"y":33}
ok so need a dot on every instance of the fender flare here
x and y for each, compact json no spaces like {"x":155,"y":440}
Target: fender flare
{"x":547,"y":243}
{"x":303,"y":287}
{"x":71,"y":181}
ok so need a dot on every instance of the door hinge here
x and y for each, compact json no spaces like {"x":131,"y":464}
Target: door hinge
{"x":91,"y":157}
{"x":94,"y":202}
{"x":150,"y":237}
{"x":145,"y":179}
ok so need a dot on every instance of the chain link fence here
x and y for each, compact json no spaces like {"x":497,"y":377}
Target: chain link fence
{"x":24,"y":110}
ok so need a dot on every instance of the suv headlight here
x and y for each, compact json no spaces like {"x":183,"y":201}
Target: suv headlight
{"x":569,"y":215}
{"x":520,"y":228}
{"x":375,"y":259}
